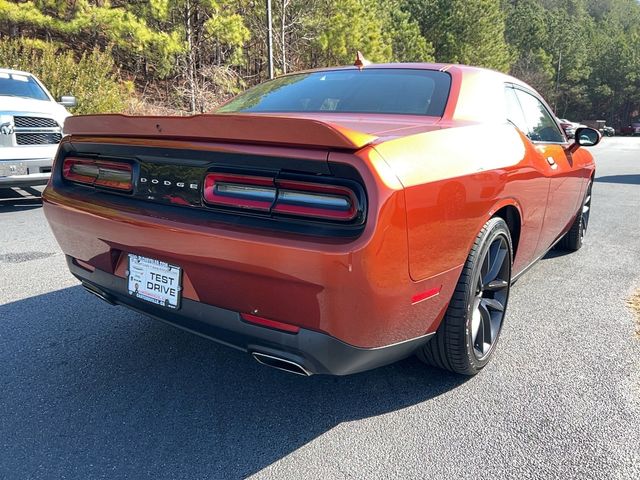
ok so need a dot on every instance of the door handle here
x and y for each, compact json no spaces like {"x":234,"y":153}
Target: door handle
{"x":552,"y":162}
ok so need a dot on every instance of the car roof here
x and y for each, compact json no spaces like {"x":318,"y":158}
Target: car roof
{"x":17,"y":72}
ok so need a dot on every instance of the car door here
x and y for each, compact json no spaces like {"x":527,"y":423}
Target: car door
{"x":534,"y":194}
{"x":565,"y":180}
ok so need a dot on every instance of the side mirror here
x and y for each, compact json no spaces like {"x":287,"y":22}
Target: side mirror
{"x":68,"y":101}
{"x":585,"y":137}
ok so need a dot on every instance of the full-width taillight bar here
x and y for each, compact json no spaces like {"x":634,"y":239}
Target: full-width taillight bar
{"x":100,"y":173}
{"x":324,"y":201}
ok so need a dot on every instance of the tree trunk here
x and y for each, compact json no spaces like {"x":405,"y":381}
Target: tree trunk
{"x":191,"y":74}
{"x":283,"y":16}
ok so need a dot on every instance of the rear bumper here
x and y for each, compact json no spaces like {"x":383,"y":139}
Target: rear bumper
{"x":315,"y":352}
{"x":358,"y":292}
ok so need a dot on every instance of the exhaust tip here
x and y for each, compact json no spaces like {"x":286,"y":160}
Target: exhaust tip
{"x":98,"y":293}
{"x":280,"y":364}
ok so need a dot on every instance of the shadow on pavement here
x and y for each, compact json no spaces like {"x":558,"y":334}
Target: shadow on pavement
{"x":555,"y":252}
{"x":12,"y":200}
{"x":91,"y":390}
{"x":631,"y":179}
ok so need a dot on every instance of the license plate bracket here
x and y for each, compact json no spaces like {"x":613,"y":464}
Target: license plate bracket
{"x":14,"y":168}
{"x":154,"y":281}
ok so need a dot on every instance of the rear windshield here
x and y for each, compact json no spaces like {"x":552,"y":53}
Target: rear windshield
{"x":16,"y":85}
{"x":394,"y":91}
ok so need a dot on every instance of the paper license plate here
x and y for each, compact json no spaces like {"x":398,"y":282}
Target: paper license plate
{"x":11,"y":169}
{"x":154,"y":281}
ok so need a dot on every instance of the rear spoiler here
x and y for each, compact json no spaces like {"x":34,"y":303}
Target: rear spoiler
{"x":239,"y":128}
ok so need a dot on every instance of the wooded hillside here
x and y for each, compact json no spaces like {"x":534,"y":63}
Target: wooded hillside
{"x":170,"y":56}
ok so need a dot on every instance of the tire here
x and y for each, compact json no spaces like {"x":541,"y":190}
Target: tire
{"x":574,"y":238}
{"x":459,"y":343}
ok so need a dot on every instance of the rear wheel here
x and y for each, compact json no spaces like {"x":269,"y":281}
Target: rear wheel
{"x":469,"y":331}
{"x":574,"y":238}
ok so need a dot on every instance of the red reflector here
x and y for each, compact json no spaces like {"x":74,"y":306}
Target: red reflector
{"x":116,"y":175}
{"x":265,"y":322}
{"x":419,"y":297}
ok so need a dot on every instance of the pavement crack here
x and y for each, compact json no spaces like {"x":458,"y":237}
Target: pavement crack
{"x":24,"y":256}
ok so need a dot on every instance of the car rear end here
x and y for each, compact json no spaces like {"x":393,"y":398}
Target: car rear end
{"x":294,"y":253}
{"x":273,"y":226}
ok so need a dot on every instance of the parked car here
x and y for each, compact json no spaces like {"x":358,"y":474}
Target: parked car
{"x":600,"y":125}
{"x":329,"y":221}
{"x":31,"y":124}
{"x":632,"y":129}
{"x":568,"y":126}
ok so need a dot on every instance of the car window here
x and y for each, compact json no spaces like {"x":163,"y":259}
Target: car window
{"x":514,"y":110}
{"x":17,"y":85}
{"x":382,"y":90}
{"x":540,"y":124}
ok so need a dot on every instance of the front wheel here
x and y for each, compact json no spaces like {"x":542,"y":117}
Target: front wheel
{"x":469,"y":331}
{"x":574,"y":238}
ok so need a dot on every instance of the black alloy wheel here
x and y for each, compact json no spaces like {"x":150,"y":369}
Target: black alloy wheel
{"x":490,"y":302}
{"x":586,"y":211}
{"x":467,"y":336}
{"x":574,"y":238}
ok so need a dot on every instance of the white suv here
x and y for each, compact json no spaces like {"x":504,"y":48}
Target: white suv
{"x":31,"y":124}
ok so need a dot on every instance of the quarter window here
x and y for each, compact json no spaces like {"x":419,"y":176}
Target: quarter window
{"x":514,"y":110}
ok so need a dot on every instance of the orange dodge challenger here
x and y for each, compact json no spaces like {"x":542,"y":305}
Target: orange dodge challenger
{"x":329,"y":221}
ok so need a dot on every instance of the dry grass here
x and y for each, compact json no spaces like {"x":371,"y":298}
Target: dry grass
{"x":634,"y":305}
{"x":142,"y":106}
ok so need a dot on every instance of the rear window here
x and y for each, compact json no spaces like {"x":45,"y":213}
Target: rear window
{"x":391,"y":91}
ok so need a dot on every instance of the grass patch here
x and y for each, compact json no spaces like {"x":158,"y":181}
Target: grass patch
{"x":634,"y":305}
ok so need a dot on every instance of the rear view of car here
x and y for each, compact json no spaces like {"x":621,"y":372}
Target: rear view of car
{"x":281,"y":235}
{"x":328,"y":221}
{"x":31,"y":124}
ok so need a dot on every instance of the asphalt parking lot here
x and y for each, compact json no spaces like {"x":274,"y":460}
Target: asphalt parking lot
{"x":93,"y":391}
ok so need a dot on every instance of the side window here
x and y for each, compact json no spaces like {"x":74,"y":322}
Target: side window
{"x":514,"y":110}
{"x":541,"y":126}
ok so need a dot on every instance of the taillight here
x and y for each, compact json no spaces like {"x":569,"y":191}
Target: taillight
{"x":282,"y":196}
{"x":330,"y":202}
{"x":101,"y":173}
{"x":240,"y":191}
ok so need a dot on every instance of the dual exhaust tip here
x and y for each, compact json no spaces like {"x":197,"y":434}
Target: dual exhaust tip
{"x":280,"y":364}
{"x":263,"y":358}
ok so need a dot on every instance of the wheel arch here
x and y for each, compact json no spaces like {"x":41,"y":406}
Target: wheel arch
{"x":511,"y":214}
